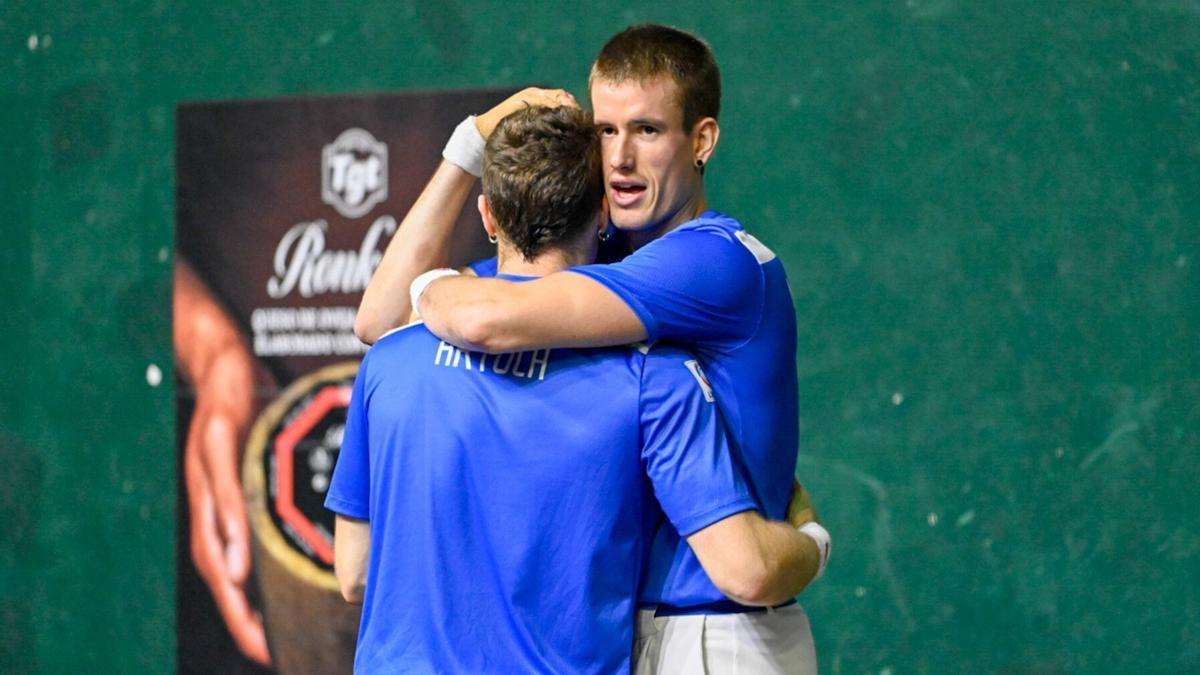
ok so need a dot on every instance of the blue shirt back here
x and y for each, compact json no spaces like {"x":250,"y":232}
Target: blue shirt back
{"x":509,"y":507}
{"x":713,"y":286}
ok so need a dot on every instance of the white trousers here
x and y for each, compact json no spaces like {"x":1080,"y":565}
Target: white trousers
{"x":775,"y":641}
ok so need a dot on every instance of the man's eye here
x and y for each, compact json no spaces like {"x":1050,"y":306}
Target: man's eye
{"x":647,"y":129}
{"x":606,"y":131}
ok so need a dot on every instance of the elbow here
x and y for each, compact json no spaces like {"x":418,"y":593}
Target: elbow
{"x":351,"y":585}
{"x":365,"y":329}
{"x":352,"y":590}
{"x":751,"y":583}
{"x":353,"y":595}
{"x":480,"y":328}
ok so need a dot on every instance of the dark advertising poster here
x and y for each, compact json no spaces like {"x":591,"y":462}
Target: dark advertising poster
{"x":284,"y":210}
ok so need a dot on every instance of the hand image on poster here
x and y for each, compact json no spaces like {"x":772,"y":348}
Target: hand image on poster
{"x":212,"y":355}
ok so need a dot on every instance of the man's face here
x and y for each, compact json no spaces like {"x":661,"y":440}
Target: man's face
{"x":648,"y":159}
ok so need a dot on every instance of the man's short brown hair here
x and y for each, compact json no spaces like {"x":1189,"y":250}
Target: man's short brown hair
{"x":541,"y":175}
{"x":646,"y":51}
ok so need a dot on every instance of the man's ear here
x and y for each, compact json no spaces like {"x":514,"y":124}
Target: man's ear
{"x":489,"y":221}
{"x":705,"y":135}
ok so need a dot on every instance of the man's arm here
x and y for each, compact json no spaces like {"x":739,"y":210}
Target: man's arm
{"x":755,"y":561}
{"x":497,"y":316}
{"x":696,"y":285}
{"x":760,"y":562}
{"x":690,"y":463}
{"x":349,"y":494}
{"x":421,"y":243}
{"x":423,"y":240}
{"x":351,"y":551}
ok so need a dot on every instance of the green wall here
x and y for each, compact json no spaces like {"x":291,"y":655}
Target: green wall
{"x":989,"y":212}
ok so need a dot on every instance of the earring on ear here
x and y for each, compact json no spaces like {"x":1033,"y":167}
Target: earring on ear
{"x":605,"y":234}
{"x":493,"y":238}
{"x":699,"y":163}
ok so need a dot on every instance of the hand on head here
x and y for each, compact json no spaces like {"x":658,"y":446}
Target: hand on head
{"x":531,"y":96}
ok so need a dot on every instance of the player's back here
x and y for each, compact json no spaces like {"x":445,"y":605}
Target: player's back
{"x":507,"y":506}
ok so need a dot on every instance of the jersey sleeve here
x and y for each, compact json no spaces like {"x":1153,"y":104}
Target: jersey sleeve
{"x":696,"y":286}
{"x":685,"y":449}
{"x":350,"y":489}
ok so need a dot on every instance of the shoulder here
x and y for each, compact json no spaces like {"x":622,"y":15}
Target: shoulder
{"x":716,"y":241}
{"x":407,"y":333}
{"x":399,"y":340}
{"x":670,"y":366}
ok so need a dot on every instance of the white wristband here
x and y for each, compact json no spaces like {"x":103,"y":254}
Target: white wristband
{"x":465,"y":147}
{"x":824,"y":544}
{"x":422,"y":282}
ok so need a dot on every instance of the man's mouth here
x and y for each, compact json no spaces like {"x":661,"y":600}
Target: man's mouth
{"x":626,"y":193}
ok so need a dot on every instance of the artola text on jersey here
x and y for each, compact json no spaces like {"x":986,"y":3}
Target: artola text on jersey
{"x":515,"y":364}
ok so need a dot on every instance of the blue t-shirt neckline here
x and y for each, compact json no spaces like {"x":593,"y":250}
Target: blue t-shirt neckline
{"x":515,"y":277}
{"x":709,"y":217}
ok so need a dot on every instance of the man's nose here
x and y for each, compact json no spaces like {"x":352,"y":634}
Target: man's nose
{"x":620,"y":153}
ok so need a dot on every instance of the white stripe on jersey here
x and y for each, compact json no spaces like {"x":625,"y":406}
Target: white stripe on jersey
{"x":701,"y":379}
{"x":761,"y":253}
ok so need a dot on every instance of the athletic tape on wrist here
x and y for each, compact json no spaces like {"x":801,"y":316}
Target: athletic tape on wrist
{"x":824,"y":544}
{"x":465,"y":147}
{"x":422,"y":282}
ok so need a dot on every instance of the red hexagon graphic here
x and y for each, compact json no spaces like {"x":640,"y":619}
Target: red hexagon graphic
{"x":329,"y":398}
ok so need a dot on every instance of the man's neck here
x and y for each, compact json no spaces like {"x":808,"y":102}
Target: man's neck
{"x":690,"y":211}
{"x":510,"y":261}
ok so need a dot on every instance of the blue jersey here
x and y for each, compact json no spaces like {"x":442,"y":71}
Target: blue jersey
{"x":711,"y":285}
{"x":509,"y":507}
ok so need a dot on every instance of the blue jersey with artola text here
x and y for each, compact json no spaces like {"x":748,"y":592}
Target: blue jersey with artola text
{"x":714,"y":287}
{"x":510,"y":511}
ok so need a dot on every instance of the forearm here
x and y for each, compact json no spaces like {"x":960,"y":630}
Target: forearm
{"x":790,"y":561}
{"x":351,"y":553}
{"x":472,"y":313}
{"x":497,"y":316}
{"x":421,"y":243}
{"x":202,"y":330}
{"x":755,"y":561}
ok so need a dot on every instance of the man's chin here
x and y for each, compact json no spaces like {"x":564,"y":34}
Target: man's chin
{"x":631,"y":221}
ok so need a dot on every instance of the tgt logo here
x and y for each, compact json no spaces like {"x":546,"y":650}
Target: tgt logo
{"x":354,"y":173}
